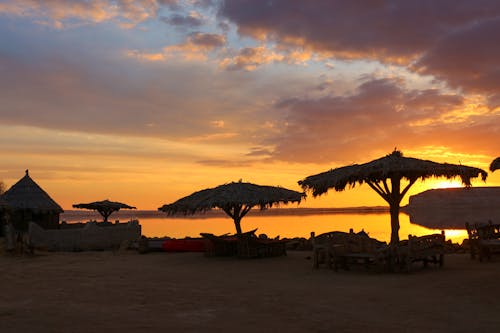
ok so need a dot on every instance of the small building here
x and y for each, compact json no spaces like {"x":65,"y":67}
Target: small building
{"x":28,"y":202}
{"x":4,"y":214}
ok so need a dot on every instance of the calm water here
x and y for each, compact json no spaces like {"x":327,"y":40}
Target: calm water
{"x":377,"y":225}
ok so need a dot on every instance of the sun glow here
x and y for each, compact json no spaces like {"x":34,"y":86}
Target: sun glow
{"x":447,"y":184}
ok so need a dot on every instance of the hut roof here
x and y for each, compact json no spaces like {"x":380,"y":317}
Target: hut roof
{"x":387,"y":167}
{"x":495,"y":164}
{"x":26,"y":194}
{"x":233,"y":194}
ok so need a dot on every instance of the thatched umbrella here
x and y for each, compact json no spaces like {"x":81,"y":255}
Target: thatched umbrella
{"x":393,"y":167}
{"x":495,"y":164}
{"x":105,"y":207}
{"x":235,"y":199}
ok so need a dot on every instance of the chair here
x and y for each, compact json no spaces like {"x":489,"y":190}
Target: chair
{"x":340,"y":249}
{"x":251,"y":246}
{"x":484,"y":240}
{"x":426,"y":249}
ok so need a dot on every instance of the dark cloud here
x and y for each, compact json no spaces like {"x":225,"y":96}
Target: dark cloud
{"x":451,"y":39}
{"x":207,"y":40}
{"x":468,"y":58}
{"x":381,"y":113}
{"x":185,"y":21}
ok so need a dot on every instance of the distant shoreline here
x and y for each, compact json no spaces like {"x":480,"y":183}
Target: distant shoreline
{"x":73,"y":215}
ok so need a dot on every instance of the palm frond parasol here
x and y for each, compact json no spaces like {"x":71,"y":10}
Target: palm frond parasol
{"x":394,"y":167}
{"x":236,"y":199}
{"x":105,"y":207}
{"x":495,"y":164}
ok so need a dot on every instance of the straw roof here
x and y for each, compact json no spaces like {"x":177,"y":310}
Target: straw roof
{"x":233,"y":194}
{"x":495,"y":164}
{"x":394,"y":165}
{"x":26,"y":194}
{"x":104,"y":207}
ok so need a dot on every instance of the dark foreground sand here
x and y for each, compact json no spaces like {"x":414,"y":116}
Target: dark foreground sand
{"x":186,"y":292}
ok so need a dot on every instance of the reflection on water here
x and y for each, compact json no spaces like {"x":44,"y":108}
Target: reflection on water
{"x":444,"y":217}
{"x":376,"y":225}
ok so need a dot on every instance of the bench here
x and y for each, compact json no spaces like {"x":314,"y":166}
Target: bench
{"x":251,"y":246}
{"x":341,"y":249}
{"x":426,"y":249}
{"x":484,"y":240}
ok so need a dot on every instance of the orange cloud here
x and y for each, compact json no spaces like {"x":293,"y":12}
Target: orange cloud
{"x":250,"y":58}
{"x":381,"y":113}
{"x":58,"y":13}
{"x":143,"y":56}
{"x":196,"y":47}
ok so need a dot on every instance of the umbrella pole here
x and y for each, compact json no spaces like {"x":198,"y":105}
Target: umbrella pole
{"x":395,"y":199}
{"x":237,"y":224}
{"x":394,"y":211}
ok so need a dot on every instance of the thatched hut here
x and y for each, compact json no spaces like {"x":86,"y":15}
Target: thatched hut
{"x":28,"y":202}
{"x":4,"y":211}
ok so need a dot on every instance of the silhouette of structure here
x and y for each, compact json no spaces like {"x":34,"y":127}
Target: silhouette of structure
{"x":394,"y":168}
{"x":105,"y":207}
{"x":236,"y":199}
{"x":28,"y":202}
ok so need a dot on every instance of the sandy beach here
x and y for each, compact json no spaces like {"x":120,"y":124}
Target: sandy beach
{"x":187,"y":292}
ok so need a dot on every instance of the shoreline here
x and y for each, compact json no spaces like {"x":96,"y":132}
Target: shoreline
{"x":70,"y":215}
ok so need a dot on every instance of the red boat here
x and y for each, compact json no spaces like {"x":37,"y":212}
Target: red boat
{"x":184,"y":245}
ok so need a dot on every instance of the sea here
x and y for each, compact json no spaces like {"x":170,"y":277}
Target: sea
{"x":283,"y":222}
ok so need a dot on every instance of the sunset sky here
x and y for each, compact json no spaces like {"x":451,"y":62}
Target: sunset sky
{"x":146,"y":101}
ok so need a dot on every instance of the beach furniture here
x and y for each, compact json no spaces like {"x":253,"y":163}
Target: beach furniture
{"x":484,"y":240}
{"x":342,"y":250}
{"x":219,"y":246}
{"x":250,"y":246}
{"x":426,"y":249}
{"x":244,"y":245}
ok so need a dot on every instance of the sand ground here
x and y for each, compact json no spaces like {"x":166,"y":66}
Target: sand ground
{"x":187,"y":292}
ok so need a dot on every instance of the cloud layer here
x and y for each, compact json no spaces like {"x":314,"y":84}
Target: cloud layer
{"x":296,"y":81}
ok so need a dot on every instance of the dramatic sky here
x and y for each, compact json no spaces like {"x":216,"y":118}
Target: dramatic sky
{"x":145,"y":101}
